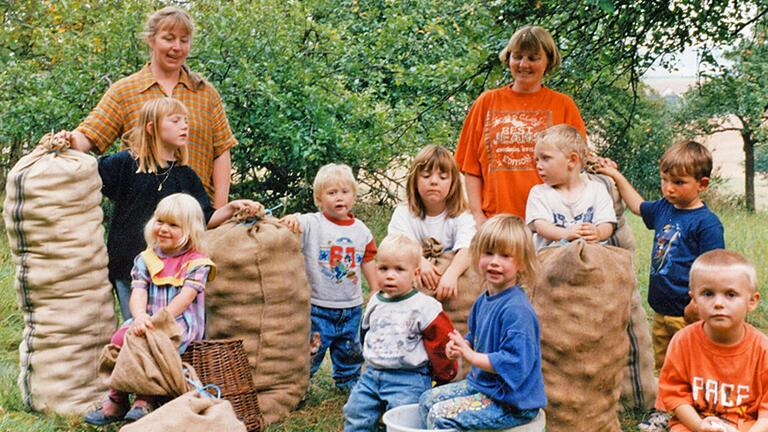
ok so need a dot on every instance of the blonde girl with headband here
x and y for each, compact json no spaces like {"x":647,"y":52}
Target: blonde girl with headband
{"x":505,"y":387}
{"x":436,"y":207}
{"x":170,"y":274}
{"x":154,"y":166}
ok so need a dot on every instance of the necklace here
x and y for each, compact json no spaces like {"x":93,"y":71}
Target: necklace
{"x":167,"y":174}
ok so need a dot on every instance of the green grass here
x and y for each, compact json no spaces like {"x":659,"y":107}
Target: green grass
{"x":321,"y":409}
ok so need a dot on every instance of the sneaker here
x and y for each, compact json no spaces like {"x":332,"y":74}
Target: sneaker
{"x":656,"y":422}
{"x":139,"y":409}
{"x":109,"y":412}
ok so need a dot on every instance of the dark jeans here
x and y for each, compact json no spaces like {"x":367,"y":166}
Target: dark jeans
{"x":340,"y":331}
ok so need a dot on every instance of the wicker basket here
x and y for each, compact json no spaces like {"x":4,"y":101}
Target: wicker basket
{"x":225,"y":363}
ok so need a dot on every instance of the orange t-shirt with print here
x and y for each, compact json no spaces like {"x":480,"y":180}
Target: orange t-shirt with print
{"x":497,"y":141}
{"x":730,"y":382}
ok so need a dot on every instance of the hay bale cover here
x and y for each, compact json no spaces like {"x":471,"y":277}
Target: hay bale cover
{"x":261,"y":295}
{"x":583,"y":302}
{"x":53,"y":221}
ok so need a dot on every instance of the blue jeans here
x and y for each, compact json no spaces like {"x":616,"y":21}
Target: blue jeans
{"x":459,"y":406}
{"x":340,"y":331}
{"x":123,"y":290}
{"x":380,"y":390}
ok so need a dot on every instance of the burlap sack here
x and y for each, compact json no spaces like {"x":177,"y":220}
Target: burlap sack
{"x":148,"y":364}
{"x":261,"y":295}
{"x":53,"y":221}
{"x":190,"y":412}
{"x":582,"y":301}
{"x":469,"y":288}
{"x":640,"y":385}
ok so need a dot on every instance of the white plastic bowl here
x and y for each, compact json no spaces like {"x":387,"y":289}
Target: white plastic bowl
{"x":406,"y":418}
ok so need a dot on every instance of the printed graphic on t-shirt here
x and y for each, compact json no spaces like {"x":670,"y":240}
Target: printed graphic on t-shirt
{"x":665,"y":245}
{"x":393,"y":334}
{"x":562,"y":220}
{"x":510,"y":137}
{"x":339,"y":261}
{"x":712,"y":397}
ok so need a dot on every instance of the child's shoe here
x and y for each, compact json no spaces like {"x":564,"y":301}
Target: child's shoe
{"x":112,"y":410}
{"x":141,"y":407}
{"x":656,"y":422}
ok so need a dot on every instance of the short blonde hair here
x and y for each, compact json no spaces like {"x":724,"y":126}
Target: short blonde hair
{"x":687,"y":158}
{"x":145,"y":146}
{"x":403,"y":244}
{"x":532,"y":39}
{"x":169,"y":18}
{"x":723,"y":260}
{"x":332,"y":175}
{"x":182,"y":210}
{"x":565,"y":138}
{"x":430,"y":158}
{"x":508,"y":234}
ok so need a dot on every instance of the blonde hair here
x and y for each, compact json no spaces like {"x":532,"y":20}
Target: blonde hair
{"x":144,"y":145}
{"x":403,"y":244}
{"x":565,"y":138}
{"x":508,"y":234}
{"x":182,"y":210}
{"x":720,"y":260}
{"x":332,"y":175}
{"x":687,"y":158}
{"x":532,"y":39}
{"x":430,"y":158}
{"x":172,"y":17}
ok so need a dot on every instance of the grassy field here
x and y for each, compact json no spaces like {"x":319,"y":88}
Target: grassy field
{"x":321,"y":409}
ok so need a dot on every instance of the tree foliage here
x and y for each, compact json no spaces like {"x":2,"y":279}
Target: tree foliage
{"x":735,"y":97}
{"x":361,"y":82}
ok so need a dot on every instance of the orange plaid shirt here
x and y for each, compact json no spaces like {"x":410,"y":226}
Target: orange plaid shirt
{"x":118,"y":112}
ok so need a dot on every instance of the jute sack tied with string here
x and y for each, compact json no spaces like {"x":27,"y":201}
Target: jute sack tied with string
{"x":582,"y":301}
{"x":148,"y":364}
{"x":469,"y":287}
{"x":261,"y":295}
{"x":53,"y":220}
{"x":190,"y":412}
{"x":640,"y":385}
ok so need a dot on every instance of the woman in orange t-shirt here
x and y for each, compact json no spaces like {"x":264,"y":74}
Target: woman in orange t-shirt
{"x":495,"y":150}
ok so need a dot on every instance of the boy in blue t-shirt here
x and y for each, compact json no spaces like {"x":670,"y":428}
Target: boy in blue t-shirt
{"x":684,"y":229}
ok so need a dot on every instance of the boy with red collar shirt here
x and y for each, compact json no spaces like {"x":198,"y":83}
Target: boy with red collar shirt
{"x":337,"y":248}
{"x":715,"y":376}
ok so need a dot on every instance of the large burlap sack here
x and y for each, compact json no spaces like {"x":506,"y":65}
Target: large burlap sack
{"x":190,"y":412}
{"x":469,"y":288}
{"x":261,"y":295}
{"x":640,"y":384}
{"x":53,"y":221}
{"x":149,"y":364}
{"x":582,"y":301}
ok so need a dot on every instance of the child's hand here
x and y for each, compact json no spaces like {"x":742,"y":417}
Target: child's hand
{"x":571,"y":233}
{"x":607,"y":167}
{"x":714,"y":424}
{"x":460,"y":344}
{"x":141,"y":324}
{"x":448,"y":286}
{"x":588,"y":232}
{"x":253,"y":207}
{"x":291,"y":222}
{"x":430,"y":275}
{"x":451,"y":351}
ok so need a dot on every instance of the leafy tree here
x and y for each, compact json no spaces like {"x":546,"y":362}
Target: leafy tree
{"x":735,"y":97}
{"x":361,"y":82}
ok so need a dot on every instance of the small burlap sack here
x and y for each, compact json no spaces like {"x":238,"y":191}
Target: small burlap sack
{"x":190,"y":412}
{"x":640,"y":384}
{"x":261,"y":295}
{"x":148,"y":364}
{"x":469,"y":288}
{"x":582,"y":301}
{"x":53,"y":221}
